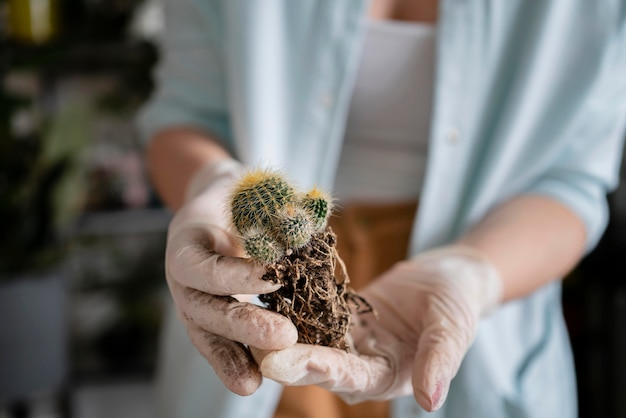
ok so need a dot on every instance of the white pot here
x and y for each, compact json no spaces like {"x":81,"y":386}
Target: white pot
{"x":34,"y":354}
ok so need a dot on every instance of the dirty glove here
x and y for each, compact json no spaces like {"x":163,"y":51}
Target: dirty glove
{"x":204,"y":271}
{"x":428,"y":310}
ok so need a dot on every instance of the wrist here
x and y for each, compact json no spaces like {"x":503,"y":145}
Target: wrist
{"x":206,"y":194}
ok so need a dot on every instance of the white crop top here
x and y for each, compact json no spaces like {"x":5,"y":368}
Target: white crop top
{"x":386,"y":139}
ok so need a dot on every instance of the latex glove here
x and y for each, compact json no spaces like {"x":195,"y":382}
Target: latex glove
{"x":428,"y":311}
{"x":204,"y":270}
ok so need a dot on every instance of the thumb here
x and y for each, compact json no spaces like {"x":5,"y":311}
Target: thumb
{"x":438,"y":358}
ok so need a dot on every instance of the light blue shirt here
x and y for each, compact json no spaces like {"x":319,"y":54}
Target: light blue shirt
{"x":530,"y":98}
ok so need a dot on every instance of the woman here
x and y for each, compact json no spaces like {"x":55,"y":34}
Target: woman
{"x":525,"y":110}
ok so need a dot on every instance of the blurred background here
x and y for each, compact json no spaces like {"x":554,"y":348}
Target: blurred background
{"x":82,"y":233}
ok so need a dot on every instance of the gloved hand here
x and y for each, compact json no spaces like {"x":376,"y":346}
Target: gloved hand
{"x":204,"y":270}
{"x":428,"y":310}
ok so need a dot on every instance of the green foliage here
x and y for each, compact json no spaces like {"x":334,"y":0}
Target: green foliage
{"x":40,"y":186}
{"x":272,"y":218}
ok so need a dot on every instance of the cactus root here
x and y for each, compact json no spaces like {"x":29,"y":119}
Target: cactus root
{"x":316,"y":294}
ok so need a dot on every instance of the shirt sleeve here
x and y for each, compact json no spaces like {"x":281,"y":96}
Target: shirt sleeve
{"x":190,"y":76}
{"x":589,"y":168}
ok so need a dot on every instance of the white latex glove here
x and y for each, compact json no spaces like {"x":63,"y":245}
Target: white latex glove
{"x":204,"y":270}
{"x":428,"y":310}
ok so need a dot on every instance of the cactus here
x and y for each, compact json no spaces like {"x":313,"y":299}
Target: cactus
{"x":319,"y":206}
{"x":262,"y":247}
{"x":256,"y":199}
{"x":287,"y":232}
{"x":293,"y":226}
{"x":267,"y":211}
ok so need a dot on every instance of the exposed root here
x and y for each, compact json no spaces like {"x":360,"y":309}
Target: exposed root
{"x":315,"y":294}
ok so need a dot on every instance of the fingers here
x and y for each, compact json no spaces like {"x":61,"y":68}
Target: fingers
{"x":191,"y":260}
{"x":232,"y":363}
{"x":355,"y":377}
{"x":234,"y":320}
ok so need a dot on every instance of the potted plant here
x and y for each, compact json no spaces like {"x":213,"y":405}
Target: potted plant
{"x":40,"y":196}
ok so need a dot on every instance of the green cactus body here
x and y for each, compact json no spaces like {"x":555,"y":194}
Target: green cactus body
{"x":257,"y":198}
{"x":293,"y":226}
{"x":272,"y":219}
{"x":262,"y":247}
{"x":319,"y":207}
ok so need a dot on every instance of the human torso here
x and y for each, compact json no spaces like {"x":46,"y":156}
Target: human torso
{"x":385,"y":144}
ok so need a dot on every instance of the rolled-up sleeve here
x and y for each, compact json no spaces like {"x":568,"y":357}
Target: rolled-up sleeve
{"x":190,"y":76}
{"x":589,"y":169}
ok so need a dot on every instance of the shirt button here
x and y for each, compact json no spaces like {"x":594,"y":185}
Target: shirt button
{"x":453,"y":136}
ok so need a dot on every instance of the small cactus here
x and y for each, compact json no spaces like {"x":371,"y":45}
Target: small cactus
{"x":260,"y":246}
{"x":293,"y":226}
{"x":272,"y":218}
{"x":319,"y":206}
{"x":258,"y":196}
